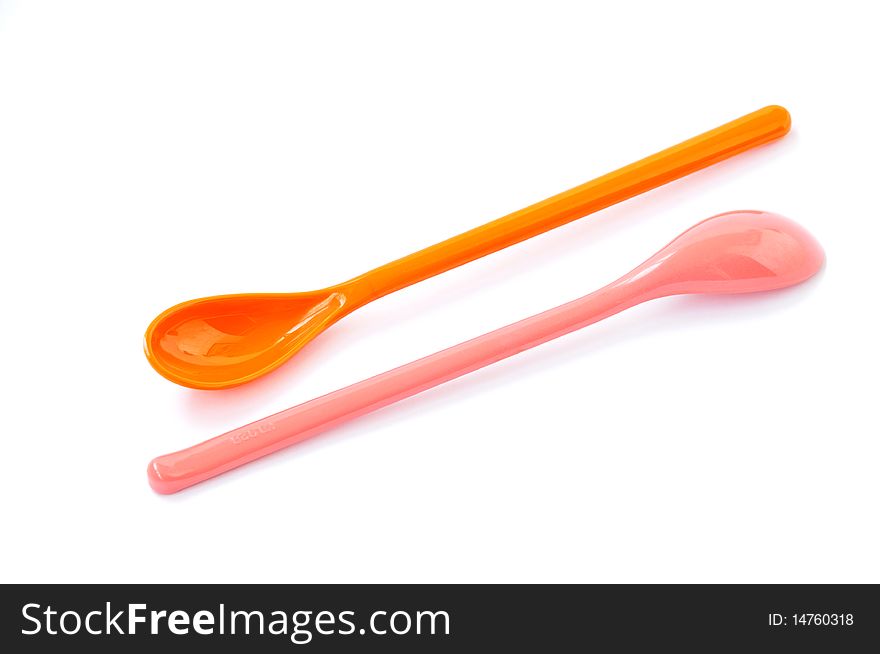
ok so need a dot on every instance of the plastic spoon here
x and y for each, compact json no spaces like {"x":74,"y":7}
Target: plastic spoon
{"x":739,"y":252}
{"x":226,"y":340}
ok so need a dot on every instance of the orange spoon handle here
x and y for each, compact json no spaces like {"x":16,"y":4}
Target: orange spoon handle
{"x":742,"y":134}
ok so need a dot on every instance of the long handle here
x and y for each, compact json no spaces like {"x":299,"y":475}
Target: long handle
{"x":173,"y":472}
{"x":742,"y":134}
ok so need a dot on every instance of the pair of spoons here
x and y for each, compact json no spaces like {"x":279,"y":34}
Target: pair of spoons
{"x":223,"y":341}
{"x":740,"y":252}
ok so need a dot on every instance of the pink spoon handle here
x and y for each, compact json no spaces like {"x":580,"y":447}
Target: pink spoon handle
{"x":173,"y":472}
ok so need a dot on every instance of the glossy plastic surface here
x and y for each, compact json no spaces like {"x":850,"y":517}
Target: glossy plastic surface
{"x":227,"y":340}
{"x":738,"y":252}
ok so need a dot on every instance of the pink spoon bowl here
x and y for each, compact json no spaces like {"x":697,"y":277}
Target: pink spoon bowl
{"x":737,"y":252}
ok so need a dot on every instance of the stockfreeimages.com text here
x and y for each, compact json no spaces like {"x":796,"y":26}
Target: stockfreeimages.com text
{"x":300,"y":626}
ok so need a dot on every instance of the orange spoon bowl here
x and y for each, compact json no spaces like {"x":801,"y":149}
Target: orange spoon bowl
{"x":227,"y":340}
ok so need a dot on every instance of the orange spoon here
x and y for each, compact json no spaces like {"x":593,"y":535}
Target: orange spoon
{"x":226,"y":340}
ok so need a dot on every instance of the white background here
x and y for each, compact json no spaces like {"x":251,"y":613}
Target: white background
{"x":152,"y":152}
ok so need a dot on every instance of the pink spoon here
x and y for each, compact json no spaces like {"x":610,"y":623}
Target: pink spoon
{"x":739,"y":252}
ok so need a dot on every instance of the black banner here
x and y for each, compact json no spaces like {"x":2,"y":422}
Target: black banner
{"x":422,"y":618}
